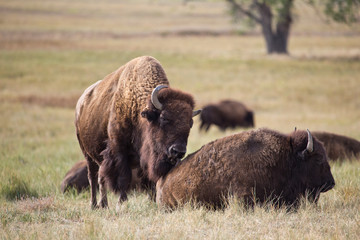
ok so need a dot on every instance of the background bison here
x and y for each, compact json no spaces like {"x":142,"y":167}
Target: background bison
{"x":129,"y":119}
{"x":77,"y":178}
{"x":226,"y":114}
{"x":338,"y":146}
{"x":255,"y":165}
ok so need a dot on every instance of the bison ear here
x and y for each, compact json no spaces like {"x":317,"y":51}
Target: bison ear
{"x":149,"y":114}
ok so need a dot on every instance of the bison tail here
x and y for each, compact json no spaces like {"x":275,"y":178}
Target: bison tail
{"x":115,"y":171}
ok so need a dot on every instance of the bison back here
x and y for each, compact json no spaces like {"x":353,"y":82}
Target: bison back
{"x":339,"y":147}
{"x":235,"y":165}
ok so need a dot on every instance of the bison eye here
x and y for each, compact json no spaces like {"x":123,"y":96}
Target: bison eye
{"x":164,"y":121}
{"x":191,"y":123}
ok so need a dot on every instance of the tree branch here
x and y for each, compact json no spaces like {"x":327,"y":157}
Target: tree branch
{"x":239,"y":8}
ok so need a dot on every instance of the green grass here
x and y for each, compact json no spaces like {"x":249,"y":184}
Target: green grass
{"x":50,"y":51}
{"x":17,"y":189}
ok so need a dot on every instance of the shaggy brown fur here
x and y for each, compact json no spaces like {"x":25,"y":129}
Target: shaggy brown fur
{"x":77,"y":178}
{"x":225,"y":114}
{"x":339,"y":147}
{"x":253,"y":165}
{"x":118,"y":127}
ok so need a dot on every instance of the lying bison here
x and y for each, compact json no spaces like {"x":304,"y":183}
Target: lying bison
{"x":254,"y":166}
{"x":77,"y":178}
{"x":130,"y":119}
{"x":339,"y":147}
{"x":226,"y":114}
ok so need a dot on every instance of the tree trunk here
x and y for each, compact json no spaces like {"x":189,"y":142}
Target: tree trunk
{"x":279,"y":41}
{"x":276,"y":42}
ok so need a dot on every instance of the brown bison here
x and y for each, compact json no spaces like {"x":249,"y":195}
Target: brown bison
{"x":129,"y":119}
{"x":255,"y":166}
{"x":226,"y":114}
{"x":338,"y":146}
{"x":77,"y":178}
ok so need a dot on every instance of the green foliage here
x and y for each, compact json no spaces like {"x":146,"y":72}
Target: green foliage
{"x":345,"y":11}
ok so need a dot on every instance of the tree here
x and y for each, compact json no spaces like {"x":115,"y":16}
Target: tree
{"x":275,"y":17}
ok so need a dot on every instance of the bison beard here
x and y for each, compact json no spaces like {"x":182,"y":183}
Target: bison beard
{"x":154,"y":166}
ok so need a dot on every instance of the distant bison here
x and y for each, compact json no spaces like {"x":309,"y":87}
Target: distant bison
{"x":338,"y":146}
{"x":254,"y":165}
{"x":132,"y":118}
{"x":77,"y":178}
{"x":226,"y":114}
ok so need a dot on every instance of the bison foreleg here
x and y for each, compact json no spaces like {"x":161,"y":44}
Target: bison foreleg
{"x":93,"y":169}
{"x":103,"y":194}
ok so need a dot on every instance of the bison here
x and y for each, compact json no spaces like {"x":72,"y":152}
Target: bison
{"x":226,"y":114}
{"x":77,"y":178}
{"x":132,"y":118}
{"x":254,"y":166}
{"x":338,"y":146}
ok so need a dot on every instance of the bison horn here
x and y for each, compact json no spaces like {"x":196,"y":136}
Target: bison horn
{"x":310,"y":145}
{"x":197,"y":112}
{"x":154,"y":96}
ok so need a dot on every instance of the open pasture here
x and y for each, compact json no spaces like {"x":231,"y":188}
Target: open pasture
{"x":50,"y":51}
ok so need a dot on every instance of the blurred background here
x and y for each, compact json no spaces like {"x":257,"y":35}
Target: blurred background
{"x":50,"y":51}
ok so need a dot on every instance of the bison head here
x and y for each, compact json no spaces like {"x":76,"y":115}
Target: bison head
{"x":313,"y":167}
{"x":169,"y":116}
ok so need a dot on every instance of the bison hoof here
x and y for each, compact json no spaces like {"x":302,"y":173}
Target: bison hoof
{"x":94,"y":206}
{"x":103,"y":204}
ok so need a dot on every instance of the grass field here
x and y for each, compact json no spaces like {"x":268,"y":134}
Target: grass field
{"x":50,"y":51}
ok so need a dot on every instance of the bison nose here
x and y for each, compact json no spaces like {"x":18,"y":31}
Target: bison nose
{"x":328,"y":185}
{"x":331,"y":184}
{"x":177,"y":151}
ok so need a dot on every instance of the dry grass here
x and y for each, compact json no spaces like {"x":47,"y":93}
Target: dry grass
{"x":52,"y":50}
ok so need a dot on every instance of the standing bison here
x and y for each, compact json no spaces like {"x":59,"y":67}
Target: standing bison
{"x":339,"y":147}
{"x":130,"y":119}
{"x":226,"y":114}
{"x":254,"y":166}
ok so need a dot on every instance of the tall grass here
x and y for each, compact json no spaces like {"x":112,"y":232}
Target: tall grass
{"x":16,"y":189}
{"x":50,"y":51}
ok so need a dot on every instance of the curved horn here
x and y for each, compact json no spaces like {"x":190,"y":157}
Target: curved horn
{"x":154,"y":96}
{"x":310,"y":145}
{"x":197,"y":112}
